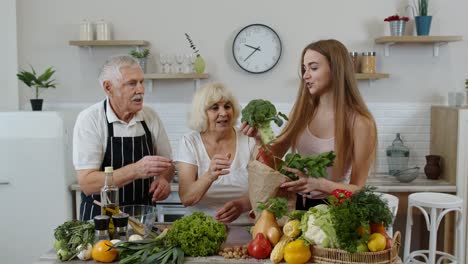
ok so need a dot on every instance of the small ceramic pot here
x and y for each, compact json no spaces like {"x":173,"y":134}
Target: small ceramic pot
{"x":432,"y":168}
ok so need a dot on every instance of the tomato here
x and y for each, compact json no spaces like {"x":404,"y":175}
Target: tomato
{"x":260,"y":247}
{"x":101,"y":252}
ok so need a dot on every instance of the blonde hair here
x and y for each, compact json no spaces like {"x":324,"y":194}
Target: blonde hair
{"x":348,"y":104}
{"x":203,"y":99}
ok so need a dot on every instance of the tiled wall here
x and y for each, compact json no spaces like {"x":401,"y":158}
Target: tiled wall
{"x":412,"y":121}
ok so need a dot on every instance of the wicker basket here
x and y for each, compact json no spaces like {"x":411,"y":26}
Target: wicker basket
{"x":332,"y":256}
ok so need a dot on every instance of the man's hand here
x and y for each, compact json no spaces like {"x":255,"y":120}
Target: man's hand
{"x":150,"y":166}
{"x":160,"y":189}
{"x":229,"y":212}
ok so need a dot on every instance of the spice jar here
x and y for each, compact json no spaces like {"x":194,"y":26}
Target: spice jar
{"x":101,"y":226}
{"x":120,"y":223}
{"x":355,"y":60}
{"x":368,"y":62}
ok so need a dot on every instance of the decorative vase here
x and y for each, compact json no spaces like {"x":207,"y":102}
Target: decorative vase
{"x":143,"y":62}
{"x":397,"y":28}
{"x":199,"y":64}
{"x":432,"y":168}
{"x":36,"y":104}
{"x":423,"y":25}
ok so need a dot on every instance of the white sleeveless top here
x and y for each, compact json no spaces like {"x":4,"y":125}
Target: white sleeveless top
{"x":307,"y":145}
{"x":226,"y":188}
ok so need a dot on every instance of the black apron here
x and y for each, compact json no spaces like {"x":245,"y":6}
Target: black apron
{"x":121,"y":151}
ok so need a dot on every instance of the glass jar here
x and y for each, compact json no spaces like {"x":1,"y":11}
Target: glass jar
{"x":355,"y":60}
{"x":101,"y":228}
{"x":368,"y":62}
{"x":397,"y":156}
{"x":120,"y":224}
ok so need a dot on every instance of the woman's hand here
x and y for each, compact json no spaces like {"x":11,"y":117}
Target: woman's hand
{"x":229,"y":212}
{"x":305,"y":184}
{"x":219,"y":165}
{"x":251,"y":132}
{"x":160,"y":189}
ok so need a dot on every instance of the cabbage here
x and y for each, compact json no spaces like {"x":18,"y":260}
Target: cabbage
{"x":317,"y":227}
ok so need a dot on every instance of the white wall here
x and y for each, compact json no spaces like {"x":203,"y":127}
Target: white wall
{"x":46,"y":26}
{"x":8,"y":82}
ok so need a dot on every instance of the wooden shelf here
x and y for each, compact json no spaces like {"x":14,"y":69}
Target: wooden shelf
{"x":94,"y":43}
{"x":436,"y":41}
{"x":371,"y":76}
{"x":175,"y":76}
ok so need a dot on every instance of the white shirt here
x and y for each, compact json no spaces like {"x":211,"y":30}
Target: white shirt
{"x":90,"y":134}
{"x":226,"y":188}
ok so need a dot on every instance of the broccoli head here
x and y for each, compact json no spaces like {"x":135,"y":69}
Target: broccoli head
{"x":259,"y":113}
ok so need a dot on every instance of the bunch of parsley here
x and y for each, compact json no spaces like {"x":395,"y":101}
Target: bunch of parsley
{"x":362,"y":208}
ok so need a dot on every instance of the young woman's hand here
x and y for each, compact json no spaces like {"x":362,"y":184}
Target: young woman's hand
{"x":304,"y":184}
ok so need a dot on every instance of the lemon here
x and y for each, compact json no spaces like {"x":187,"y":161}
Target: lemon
{"x":376,"y":242}
{"x":101,"y":252}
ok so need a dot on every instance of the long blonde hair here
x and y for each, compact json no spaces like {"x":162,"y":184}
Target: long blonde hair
{"x":347,"y":103}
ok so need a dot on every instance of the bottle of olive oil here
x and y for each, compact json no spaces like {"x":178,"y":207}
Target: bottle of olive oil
{"x":110,"y":197}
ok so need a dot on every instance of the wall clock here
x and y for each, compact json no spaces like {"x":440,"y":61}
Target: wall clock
{"x":257,"y":48}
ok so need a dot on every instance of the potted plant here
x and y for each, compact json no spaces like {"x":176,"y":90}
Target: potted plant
{"x":397,"y":24}
{"x":199,"y":63}
{"x":141,"y":57}
{"x":423,"y":21}
{"x":31,"y":79}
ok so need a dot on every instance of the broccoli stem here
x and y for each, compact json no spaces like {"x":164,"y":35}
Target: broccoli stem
{"x":266,"y":133}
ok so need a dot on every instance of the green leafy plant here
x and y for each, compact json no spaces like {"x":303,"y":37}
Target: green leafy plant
{"x":276,"y":205}
{"x":140,"y":54}
{"x":421,"y":7}
{"x":313,"y":166}
{"x":192,"y":46}
{"x":31,"y":79}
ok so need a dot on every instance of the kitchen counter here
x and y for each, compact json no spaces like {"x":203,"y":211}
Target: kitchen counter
{"x":383,"y":182}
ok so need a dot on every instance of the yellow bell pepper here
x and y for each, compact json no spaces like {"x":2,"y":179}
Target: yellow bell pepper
{"x":297,"y":252}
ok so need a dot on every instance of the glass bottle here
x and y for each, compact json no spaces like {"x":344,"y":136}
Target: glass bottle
{"x":355,"y":60}
{"x":101,"y":225}
{"x":120,"y":225}
{"x":109,"y":197}
{"x":397,"y":156}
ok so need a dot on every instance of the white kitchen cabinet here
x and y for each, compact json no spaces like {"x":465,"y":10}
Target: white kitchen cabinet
{"x":449,"y":139}
{"x":33,"y":184}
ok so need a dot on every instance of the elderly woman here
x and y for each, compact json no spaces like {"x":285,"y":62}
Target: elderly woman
{"x":212,"y":160}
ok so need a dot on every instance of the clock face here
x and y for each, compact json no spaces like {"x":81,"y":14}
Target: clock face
{"x":257,"y":48}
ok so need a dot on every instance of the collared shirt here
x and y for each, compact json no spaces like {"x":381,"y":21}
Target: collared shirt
{"x":90,"y":134}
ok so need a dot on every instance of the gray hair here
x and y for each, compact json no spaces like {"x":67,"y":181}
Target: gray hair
{"x":110,"y":71}
{"x":203,"y":99}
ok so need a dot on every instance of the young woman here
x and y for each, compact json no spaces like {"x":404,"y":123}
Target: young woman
{"x":329,"y":114}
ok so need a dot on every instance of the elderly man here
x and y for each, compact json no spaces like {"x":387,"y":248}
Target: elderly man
{"x":120,"y":132}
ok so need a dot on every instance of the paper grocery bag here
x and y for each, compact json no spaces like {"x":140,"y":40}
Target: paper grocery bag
{"x":264,"y":183}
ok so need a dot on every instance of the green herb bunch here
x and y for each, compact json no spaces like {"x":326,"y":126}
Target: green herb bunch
{"x":192,"y":46}
{"x":364,"y":207}
{"x":276,"y":205}
{"x":313,"y":166}
{"x":197,"y":234}
{"x":149,"y":251}
{"x":70,"y":236}
{"x":140,"y":54}
{"x":31,"y":79}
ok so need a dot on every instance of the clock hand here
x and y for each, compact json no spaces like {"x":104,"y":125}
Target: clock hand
{"x":255,"y":49}
{"x":258,"y":48}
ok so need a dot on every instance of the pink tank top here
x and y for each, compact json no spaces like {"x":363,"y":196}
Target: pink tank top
{"x":308,"y":144}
